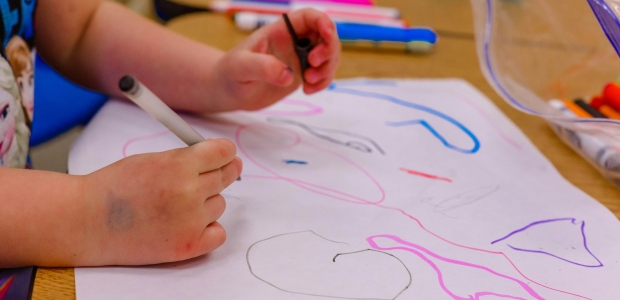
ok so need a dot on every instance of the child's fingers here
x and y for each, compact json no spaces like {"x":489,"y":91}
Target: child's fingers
{"x":214,"y":208}
{"x":212,"y":237}
{"x":311,"y":20}
{"x":214,"y":182}
{"x":320,"y":54}
{"x":314,"y":75}
{"x":211,"y":154}
{"x":253,"y":66}
{"x":319,"y":86}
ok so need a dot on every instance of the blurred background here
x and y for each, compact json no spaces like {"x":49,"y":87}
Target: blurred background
{"x":144,"y":7}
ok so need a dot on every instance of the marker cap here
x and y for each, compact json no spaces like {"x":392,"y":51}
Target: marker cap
{"x":247,"y":21}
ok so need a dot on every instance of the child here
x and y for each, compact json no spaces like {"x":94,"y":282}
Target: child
{"x":149,"y":208}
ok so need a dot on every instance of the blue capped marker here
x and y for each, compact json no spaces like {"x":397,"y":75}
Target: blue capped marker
{"x":416,"y":39}
{"x":410,"y":39}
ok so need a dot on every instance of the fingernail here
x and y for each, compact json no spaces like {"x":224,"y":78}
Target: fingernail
{"x":286,"y":76}
{"x":239,"y":164}
{"x":238,"y":159}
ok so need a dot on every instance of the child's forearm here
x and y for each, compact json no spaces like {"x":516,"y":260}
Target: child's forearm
{"x":99,"y":42}
{"x":42,"y":219}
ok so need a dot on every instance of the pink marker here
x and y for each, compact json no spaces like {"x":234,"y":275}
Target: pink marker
{"x":333,"y":10}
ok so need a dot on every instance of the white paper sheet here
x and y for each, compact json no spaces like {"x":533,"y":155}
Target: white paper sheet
{"x":408,"y":189}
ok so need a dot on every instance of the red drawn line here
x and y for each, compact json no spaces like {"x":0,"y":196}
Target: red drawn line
{"x":412,"y":172}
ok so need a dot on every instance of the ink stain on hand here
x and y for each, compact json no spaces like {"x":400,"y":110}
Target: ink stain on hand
{"x":120,"y":215}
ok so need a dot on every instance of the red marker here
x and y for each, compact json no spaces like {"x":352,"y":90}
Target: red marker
{"x":597,"y":102}
{"x":612,"y":95}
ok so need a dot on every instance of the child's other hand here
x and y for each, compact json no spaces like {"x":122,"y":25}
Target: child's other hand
{"x":158,"y":207}
{"x":265,"y":68}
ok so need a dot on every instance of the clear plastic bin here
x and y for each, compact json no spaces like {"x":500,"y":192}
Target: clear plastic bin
{"x":532,"y":51}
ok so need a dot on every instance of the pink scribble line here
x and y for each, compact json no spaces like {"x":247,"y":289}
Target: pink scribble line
{"x":143,"y":138}
{"x":478,"y":249}
{"x":429,"y":176}
{"x":481,"y":111}
{"x":374,"y":245}
{"x":363,"y":201}
{"x":314,"y":110}
{"x":378,"y":204}
{"x":304,"y":185}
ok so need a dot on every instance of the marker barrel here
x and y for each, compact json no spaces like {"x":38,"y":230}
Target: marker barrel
{"x":609,"y":112}
{"x":249,"y":21}
{"x":414,"y":39}
{"x":332,"y":10}
{"x":589,"y":109}
{"x":143,"y":97}
{"x":576,"y":109}
{"x":302,"y":46}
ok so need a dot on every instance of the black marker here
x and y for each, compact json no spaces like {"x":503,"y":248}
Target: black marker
{"x":302,"y":46}
{"x":589,"y":109}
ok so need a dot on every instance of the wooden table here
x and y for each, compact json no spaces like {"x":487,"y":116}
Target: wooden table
{"x":454,"y":56}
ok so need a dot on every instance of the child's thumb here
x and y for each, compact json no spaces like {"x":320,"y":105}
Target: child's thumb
{"x":263,"y":67}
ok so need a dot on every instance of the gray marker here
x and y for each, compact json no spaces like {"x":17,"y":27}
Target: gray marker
{"x":143,"y":97}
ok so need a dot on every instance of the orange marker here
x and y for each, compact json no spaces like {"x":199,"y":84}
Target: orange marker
{"x":609,"y":112}
{"x":576,"y":109}
{"x":612,"y":95}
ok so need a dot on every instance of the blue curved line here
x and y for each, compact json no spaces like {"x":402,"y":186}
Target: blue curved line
{"x":476,"y":147}
{"x":432,"y":131}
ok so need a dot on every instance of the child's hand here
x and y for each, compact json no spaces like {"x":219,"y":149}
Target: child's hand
{"x":159,"y":207}
{"x":265,"y":68}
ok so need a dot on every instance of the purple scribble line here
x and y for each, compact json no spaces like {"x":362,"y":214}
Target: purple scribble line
{"x":533,"y":224}
{"x":573,"y":220}
{"x":409,"y":247}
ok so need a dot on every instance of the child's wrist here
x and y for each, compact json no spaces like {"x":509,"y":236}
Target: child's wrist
{"x":90,"y":229}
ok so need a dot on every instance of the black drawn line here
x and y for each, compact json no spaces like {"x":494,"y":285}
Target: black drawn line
{"x":247,"y":258}
{"x":321,"y":133}
{"x":401,"y":262}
